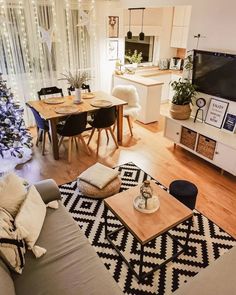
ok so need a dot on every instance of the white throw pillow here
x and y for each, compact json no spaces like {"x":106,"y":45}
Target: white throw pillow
{"x":98,"y":175}
{"x":12,"y":193}
{"x":12,"y":245}
{"x":30,"y":218}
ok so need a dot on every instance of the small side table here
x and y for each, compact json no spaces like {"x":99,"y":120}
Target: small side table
{"x":147,"y":227}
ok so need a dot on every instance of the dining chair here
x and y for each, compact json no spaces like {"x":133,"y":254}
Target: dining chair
{"x":129,"y":94}
{"x":73,"y":128}
{"x":103,"y":119}
{"x":84,"y":87}
{"x":43,"y":92}
{"x":42,"y":129}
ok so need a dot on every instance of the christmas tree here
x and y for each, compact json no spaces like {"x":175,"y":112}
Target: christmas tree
{"x":15,"y":139}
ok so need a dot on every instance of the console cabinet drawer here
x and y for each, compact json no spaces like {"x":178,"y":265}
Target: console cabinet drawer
{"x":188,"y":137}
{"x":206,"y":146}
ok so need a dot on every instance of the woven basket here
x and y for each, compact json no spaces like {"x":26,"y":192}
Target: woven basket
{"x":180,"y":112}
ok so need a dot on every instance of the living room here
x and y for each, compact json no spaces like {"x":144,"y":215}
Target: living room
{"x":155,"y":155}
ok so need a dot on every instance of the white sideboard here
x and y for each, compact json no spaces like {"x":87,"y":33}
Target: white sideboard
{"x":149,"y":92}
{"x":209,"y":143}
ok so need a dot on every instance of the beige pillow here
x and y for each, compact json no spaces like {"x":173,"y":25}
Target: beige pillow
{"x":99,"y":175}
{"x":12,"y":245}
{"x":30,"y":218}
{"x":12,"y":193}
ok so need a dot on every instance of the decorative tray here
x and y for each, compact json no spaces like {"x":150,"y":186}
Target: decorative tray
{"x":67,"y":110}
{"x":54,"y":100}
{"x":101,"y":103}
{"x":138,"y":202}
{"x":88,"y":95}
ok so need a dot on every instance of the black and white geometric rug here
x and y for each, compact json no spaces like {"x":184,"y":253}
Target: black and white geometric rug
{"x":207,"y":241}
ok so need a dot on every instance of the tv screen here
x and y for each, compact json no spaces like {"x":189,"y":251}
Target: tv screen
{"x":214,"y":73}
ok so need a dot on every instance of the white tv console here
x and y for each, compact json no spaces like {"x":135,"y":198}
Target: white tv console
{"x":208,"y":142}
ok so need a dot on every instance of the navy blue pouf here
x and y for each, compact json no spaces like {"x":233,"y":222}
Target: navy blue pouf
{"x":184,"y":191}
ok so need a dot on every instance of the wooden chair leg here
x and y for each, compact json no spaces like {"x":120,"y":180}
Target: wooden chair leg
{"x":44,"y":140}
{"x":98,"y":143}
{"x":107,"y":135}
{"x":49,"y":136}
{"x":39,"y":135}
{"x":60,"y":141}
{"x":114,"y":126}
{"x":76,"y":143}
{"x":113,"y":136}
{"x":70,"y":149}
{"x":91,"y":135}
{"x":84,"y":143}
{"x":130,"y":125}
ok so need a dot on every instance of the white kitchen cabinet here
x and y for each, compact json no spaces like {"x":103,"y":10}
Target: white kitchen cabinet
{"x":182,"y":16}
{"x":180,"y":28}
{"x":165,"y":79}
{"x":223,"y":151}
{"x":149,"y":92}
{"x":225,"y":157}
{"x":172,"y":130}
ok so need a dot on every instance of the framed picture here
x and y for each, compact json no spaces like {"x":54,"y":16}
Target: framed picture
{"x":216,"y":112}
{"x":229,"y":124}
{"x":113,"y":26}
{"x":113,"y":49}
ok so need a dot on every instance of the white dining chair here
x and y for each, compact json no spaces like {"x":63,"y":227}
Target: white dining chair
{"x":129,"y":94}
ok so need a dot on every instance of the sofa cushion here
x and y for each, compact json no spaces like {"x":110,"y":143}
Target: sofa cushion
{"x":12,"y":245}
{"x":30,"y":217}
{"x":6,"y":282}
{"x":216,"y":279}
{"x":70,"y":266}
{"x":12,"y":193}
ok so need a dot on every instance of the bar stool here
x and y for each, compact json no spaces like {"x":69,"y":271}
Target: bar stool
{"x":184,"y":191}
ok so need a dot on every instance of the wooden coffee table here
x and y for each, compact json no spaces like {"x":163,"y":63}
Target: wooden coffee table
{"x":146,"y":227}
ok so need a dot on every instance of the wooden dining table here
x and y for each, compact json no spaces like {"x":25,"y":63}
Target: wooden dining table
{"x":49,"y":113}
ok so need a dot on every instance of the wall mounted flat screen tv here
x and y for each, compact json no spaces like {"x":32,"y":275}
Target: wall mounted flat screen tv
{"x":215,"y":73}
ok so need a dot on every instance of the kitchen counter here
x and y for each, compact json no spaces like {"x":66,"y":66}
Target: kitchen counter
{"x":140,"y":79}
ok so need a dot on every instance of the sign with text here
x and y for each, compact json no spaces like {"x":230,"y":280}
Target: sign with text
{"x":216,"y":112}
{"x":229,"y":123}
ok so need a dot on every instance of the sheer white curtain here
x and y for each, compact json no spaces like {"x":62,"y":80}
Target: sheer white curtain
{"x":40,"y":39}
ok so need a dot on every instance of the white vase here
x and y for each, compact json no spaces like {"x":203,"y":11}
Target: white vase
{"x":77,"y":98}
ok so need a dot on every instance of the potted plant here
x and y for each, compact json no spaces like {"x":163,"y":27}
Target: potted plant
{"x":134,"y":59}
{"x":76,"y":81}
{"x":185,"y":91}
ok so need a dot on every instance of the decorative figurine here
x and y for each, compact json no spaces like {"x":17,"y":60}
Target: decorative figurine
{"x":146,"y":192}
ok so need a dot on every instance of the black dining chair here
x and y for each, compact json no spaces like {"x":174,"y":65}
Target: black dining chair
{"x":42,"y":129}
{"x":103,"y":119}
{"x":43,"y":92}
{"x":73,"y":128}
{"x":85,"y":87}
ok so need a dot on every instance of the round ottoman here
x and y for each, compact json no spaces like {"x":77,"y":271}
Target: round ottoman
{"x":184,"y":191}
{"x":92,"y":191}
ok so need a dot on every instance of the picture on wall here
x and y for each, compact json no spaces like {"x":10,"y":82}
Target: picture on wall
{"x":216,"y":112}
{"x":113,"y":49}
{"x":113,"y":26}
{"x":229,"y":124}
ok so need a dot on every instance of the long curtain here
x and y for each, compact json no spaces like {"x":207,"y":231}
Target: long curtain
{"x":40,"y":39}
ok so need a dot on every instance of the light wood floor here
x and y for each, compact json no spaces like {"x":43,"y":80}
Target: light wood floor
{"x":156,"y":155}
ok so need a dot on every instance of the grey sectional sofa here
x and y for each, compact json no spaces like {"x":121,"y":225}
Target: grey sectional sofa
{"x":70,"y":266}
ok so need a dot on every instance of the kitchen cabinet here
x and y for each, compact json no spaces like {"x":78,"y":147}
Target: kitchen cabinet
{"x":180,"y":27}
{"x":149,"y":92}
{"x":210,"y":143}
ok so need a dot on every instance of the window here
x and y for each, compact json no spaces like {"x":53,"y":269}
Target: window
{"x":146,"y":47}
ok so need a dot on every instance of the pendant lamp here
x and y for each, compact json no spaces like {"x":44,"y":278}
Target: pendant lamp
{"x":141,"y":35}
{"x":129,"y":33}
